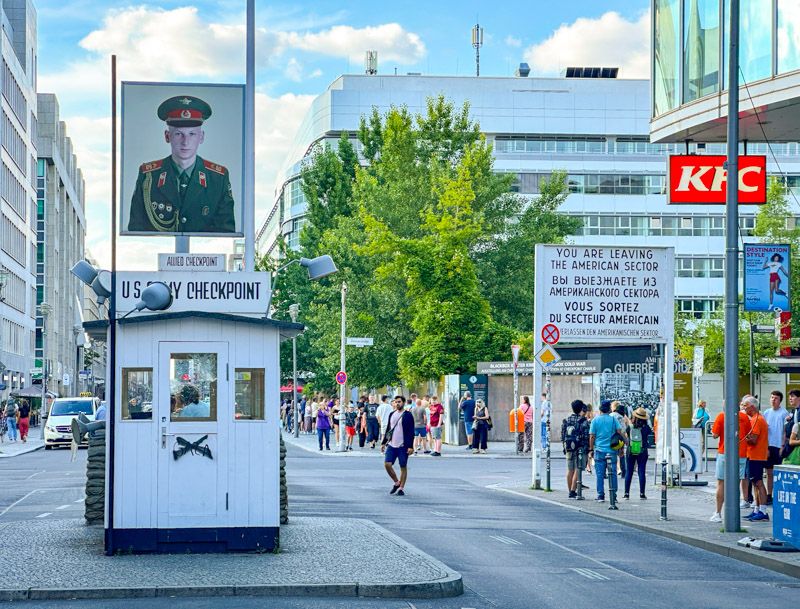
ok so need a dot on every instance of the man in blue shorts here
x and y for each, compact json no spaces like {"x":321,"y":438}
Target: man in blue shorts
{"x":467,"y":406}
{"x":398,"y":443}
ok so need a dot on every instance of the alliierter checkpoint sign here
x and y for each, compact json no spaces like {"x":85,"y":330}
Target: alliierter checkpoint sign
{"x":604,"y":294}
{"x":211,"y":291}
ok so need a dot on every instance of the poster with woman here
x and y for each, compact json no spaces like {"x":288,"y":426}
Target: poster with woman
{"x":766,"y":277}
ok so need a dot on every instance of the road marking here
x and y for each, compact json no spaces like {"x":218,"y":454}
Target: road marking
{"x":36,"y":474}
{"x":63,"y":507}
{"x":582,"y":555}
{"x":45,"y":515}
{"x":80,"y":500}
{"x":506,"y":540}
{"x":589,"y":574}
{"x":442,"y":514}
{"x":18,"y":501}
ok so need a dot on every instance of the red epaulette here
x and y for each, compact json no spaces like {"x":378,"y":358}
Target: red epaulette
{"x":151,"y":166}
{"x":214,"y":167}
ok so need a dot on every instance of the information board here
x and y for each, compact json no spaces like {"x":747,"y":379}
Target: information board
{"x":603,"y":294}
{"x":767,"y":268}
{"x":786,"y":505}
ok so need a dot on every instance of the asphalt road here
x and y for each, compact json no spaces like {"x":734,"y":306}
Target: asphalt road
{"x":513,"y":552}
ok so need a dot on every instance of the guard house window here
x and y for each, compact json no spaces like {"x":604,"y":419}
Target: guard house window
{"x":249,"y":394}
{"x":193,"y":386}
{"x":137,"y":393}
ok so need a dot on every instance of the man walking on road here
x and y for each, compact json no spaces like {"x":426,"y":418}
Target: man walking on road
{"x":601,"y":431}
{"x":575,"y":439}
{"x":776,"y":417}
{"x":398,"y":443}
{"x":436,"y":418}
{"x":373,"y":427}
{"x":384,"y":409}
{"x":467,"y":406}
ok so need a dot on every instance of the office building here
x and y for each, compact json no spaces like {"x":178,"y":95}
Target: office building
{"x":589,"y":123}
{"x":17,"y":194}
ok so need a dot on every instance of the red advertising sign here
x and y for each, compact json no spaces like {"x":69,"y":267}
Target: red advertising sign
{"x":702,"y":179}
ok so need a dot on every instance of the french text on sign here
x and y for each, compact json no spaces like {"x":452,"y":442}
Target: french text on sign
{"x":550,"y":334}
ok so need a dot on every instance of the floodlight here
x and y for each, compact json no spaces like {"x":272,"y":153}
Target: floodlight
{"x":84,"y":271}
{"x":319,"y":267}
{"x":155,"y":297}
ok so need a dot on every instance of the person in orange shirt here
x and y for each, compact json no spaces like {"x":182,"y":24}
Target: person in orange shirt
{"x":757,"y":442}
{"x":718,"y":431}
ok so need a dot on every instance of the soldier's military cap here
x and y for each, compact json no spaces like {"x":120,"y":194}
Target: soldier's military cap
{"x":184,"y":111}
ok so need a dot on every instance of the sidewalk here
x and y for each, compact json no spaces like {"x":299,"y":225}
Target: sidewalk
{"x":688,"y":511}
{"x":496,"y":450}
{"x":14,"y":449}
{"x":70,"y":564}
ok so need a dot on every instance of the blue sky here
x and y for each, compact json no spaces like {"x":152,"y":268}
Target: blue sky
{"x":302,"y":47}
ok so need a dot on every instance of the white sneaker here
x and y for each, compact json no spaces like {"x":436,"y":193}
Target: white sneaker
{"x":716,"y":517}
{"x":744,"y":504}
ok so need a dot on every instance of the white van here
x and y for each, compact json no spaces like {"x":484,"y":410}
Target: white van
{"x":58,"y":427}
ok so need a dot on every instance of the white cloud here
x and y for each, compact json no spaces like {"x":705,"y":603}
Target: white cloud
{"x":513,"y":41}
{"x":392,"y":42}
{"x":610,"y":40}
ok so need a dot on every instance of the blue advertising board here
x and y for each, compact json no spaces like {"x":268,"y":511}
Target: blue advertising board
{"x":786,"y":505}
{"x":766,"y":277}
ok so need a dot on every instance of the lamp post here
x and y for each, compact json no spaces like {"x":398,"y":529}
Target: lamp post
{"x":3,"y":279}
{"x":44,"y":310}
{"x":342,"y":364}
{"x":293,"y":311}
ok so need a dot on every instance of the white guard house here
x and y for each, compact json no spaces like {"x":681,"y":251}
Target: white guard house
{"x":193,"y":449}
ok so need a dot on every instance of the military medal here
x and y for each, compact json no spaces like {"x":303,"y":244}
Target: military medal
{"x":162,"y":179}
{"x":202,"y":179}
{"x":205,"y":210}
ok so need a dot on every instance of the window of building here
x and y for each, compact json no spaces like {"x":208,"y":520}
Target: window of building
{"x":249,"y":394}
{"x":666,"y":56}
{"x":755,"y":50}
{"x":699,"y":308}
{"x":193,"y":386}
{"x":788,"y":35}
{"x":701,"y":48}
{"x":137,"y":393}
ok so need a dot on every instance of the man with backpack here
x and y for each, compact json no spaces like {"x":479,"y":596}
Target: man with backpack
{"x":575,"y":441}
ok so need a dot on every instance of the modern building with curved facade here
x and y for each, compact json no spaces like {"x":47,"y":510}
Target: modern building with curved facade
{"x":596,"y":129}
{"x":689,"y":72}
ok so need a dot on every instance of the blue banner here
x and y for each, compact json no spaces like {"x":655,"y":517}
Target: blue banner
{"x":786,"y":505}
{"x":766,"y":277}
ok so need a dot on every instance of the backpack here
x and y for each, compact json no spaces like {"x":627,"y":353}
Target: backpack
{"x":636,"y":440}
{"x":571,"y":431}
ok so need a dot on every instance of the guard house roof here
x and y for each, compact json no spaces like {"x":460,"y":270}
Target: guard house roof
{"x":96,"y":329}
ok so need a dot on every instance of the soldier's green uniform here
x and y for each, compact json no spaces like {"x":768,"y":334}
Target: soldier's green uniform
{"x":205,"y":207}
{"x":168,"y":199}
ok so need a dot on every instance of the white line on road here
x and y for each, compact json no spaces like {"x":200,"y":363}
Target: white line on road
{"x":442,"y":514}
{"x":63,"y":507}
{"x":45,"y":515}
{"x":81,"y":500}
{"x":36,"y":474}
{"x":581,"y":554}
{"x":589,"y":574}
{"x":506,"y":540}
{"x":19,"y":501}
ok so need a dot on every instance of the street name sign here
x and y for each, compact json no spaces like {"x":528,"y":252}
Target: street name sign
{"x":364,"y":341}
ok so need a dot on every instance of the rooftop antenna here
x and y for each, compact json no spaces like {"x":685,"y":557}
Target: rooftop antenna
{"x":477,"y":42}
{"x":371,"y":63}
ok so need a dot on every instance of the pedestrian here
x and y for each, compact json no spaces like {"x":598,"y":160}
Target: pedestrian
{"x":23,"y":421}
{"x":314,"y":411}
{"x":575,"y":443}
{"x":775,"y":416}
{"x":398,"y":444}
{"x":527,"y":413}
{"x":718,"y":431}
{"x":757,"y":440}
{"x":412,"y":401}
{"x":361,"y":421}
{"x":467,"y":408}
{"x":589,"y":414}
{"x":350,"y":421}
{"x":603,"y":433}
{"x":324,"y":425}
{"x":639,"y":432}
{"x":11,"y":413}
{"x":791,"y":419}
{"x":545,"y":411}
{"x":420,"y":426}
{"x":382,"y":414}
{"x":480,"y":428}
{"x":307,"y":410}
{"x":335,"y":411}
{"x":619,"y":412}
{"x":373,"y":426}
{"x":436,"y":419}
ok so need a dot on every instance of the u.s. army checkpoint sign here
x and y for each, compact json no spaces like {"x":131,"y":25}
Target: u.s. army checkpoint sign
{"x":605,"y":294}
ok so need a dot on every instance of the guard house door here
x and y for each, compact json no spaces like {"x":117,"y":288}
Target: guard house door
{"x":193,"y":414}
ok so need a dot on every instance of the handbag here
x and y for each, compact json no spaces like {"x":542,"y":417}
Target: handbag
{"x":616,"y":441}
{"x":489,"y":423}
{"x":793,"y":458}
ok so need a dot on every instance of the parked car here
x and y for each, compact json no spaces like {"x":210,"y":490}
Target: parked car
{"x":58,"y":426}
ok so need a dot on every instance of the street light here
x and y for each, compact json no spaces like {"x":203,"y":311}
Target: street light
{"x":342,"y":364}
{"x":44,"y":310}
{"x":293,"y":311}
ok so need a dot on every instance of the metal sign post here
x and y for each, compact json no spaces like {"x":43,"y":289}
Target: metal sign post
{"x":515,"y":358}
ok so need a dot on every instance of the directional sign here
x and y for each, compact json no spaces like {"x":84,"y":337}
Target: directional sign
{"x":515,"y":354}
{"x":341,"y":377}
{"x":699,"y":357}
{"x":365,"y":341}
{"x":550,"y":334}
{"x":547,"y":356}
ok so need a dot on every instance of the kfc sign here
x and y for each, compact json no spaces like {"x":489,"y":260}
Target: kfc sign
{"x":702,"y":179}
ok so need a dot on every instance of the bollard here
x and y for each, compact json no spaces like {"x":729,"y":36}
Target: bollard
{"x":663,"y":491}
{"x":581,"y":465}
{"x":612,"y":484}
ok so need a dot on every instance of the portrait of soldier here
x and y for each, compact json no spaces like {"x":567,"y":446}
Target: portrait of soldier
{"x":183,"y":193}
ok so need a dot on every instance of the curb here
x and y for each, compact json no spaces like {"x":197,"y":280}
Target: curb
{"x":445,"y":587}
{"x":753,"y":557}
{"x":24,"y":451}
